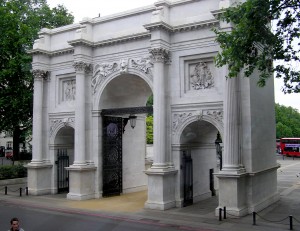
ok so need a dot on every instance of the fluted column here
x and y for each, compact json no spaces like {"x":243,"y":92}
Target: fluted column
{"x":160,"y":57}
{"x":37,"y":152}
{"x":81,"y":69}
{"x":232,"y":153}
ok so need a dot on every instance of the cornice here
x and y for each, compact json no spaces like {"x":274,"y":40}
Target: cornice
{"x":80,"y":42}
{"x":126,"y":38}
{"x":195,"y":25}
{"x":51,"y":53}
{"x":159,"y":25}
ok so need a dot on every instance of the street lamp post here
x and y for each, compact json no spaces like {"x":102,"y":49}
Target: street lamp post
{"x":218,"y":142}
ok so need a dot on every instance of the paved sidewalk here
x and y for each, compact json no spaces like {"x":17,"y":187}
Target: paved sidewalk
{"x":199,"y":216}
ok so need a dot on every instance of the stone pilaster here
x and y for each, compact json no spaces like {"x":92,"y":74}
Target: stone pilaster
{"x":81,"y":69}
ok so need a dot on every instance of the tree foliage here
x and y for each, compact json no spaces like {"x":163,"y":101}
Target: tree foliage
{"x":287,"y":121}
{"x":20,"y":23}
{"x":149,"y":124}
{"x":262,"y":32}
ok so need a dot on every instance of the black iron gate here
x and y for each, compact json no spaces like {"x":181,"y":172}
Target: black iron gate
{"x":112,"y":156}
{"x":62,"y":173}
{"x":187,"y":167}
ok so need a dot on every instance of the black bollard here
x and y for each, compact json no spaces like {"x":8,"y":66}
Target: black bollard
{"x":5,"y":190}
{"x":220,"y":214}
{"x":224,"y":212}
{"x":20,"y":192}
{"x":26,"y":190}
{"x":254,"y":218}
{"x":291,"y":222}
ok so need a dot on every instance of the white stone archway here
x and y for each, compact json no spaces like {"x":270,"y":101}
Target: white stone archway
{"x":170,"y":47}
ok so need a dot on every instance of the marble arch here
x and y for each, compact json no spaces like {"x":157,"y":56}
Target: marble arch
{"x":170,"y":47}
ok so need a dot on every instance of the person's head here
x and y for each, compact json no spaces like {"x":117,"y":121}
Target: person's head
{"x":14,"y":223}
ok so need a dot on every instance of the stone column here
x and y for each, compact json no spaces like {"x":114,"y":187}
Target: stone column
{"x":81,"y":69}
{"x":82,"y":175}
{"x":37,"y":151}
{"x":232,"y":154}
{"x":160,"y":57}
{"x":39,"y":182}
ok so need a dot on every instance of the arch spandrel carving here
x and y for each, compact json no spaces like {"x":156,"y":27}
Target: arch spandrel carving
{"x":104,"y":72}
{"x":181,"y":119}
{"x":56,"y":124}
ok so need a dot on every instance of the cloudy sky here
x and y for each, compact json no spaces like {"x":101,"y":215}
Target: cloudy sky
{"x":92,"y":8}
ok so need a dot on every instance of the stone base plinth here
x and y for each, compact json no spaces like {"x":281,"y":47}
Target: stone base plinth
{"x":161,"y":189}
{"x":39,"y":179}
{"x":81,"y":182}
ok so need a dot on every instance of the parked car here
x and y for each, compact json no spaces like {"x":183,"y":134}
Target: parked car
{"x":9,"y":154}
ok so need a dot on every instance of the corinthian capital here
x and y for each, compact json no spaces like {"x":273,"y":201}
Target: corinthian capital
{"x":160,"y":55}
{"x":39,"y":74}
{"x":82,"y":67}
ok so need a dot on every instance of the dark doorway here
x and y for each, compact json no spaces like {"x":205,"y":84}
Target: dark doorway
{"x":62,"y":174}
{"x":187,"y":167}
{"x":211,"y":182}
{"x":112,"y":155}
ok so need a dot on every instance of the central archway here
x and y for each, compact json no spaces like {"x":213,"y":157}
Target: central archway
{"x":125,"y":91}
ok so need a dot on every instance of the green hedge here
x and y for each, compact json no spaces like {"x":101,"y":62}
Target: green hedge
{"x":12,"y":171}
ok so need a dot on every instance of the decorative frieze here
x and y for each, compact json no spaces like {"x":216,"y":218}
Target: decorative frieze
{"x":160,"y":55}
{"x":82,"y":67}
{"x":201,"y":76}
{"x":216,"y":114}
{"x":54,"y":123}
{"x":103,"y":70}
{"x":40,"y":74}
{"x":144,"y":65}
{"x":124,"y":65}
{"x":178,"y":119}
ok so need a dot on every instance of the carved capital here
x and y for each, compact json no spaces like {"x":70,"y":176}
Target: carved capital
{"x":40,"y":74}
{"x":160,"y":55}
{"x":82,"y":67}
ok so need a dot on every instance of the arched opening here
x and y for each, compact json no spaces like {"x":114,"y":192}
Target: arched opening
{"x":124,"y":91}
{"x":199,"y":162}
{"x":63,"y":156}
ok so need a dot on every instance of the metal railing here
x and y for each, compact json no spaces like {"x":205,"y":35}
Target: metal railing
{"x":19,"y":190}
{"x":223,"y":215}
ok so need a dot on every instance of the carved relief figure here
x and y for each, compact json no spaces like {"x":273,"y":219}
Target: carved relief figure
{"x":201,"y":78}
{"x":70,"y":90}
{"x":123,"y":65}
{"x":101,"y":72}
{"x":143,"y":64}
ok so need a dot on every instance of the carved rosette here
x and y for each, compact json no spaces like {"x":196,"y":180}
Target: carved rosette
{"x":82,"y":67}
{"x":160,"y":55}
{"x":39,"y":74}
{"x":54,"y":123}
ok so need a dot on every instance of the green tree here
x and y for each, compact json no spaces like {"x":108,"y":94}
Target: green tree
{"x":287,"y":121}
{"x":254,"y":43}
{"x":20,"y":23}
{"x":149,"y":124}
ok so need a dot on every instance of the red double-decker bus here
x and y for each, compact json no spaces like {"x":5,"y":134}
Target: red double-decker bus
{"x":290,"y":146}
